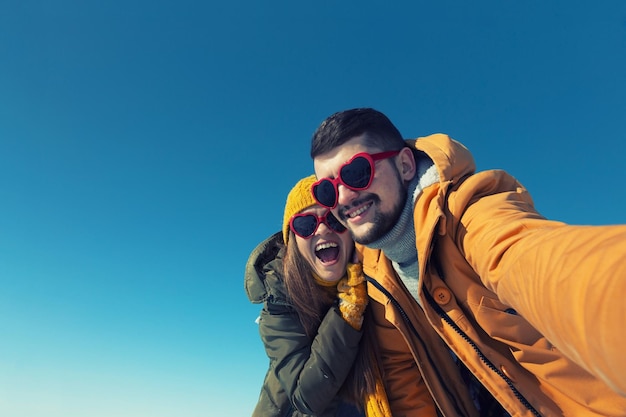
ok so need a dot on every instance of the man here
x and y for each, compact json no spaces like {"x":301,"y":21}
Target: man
{"x":472,"y":291}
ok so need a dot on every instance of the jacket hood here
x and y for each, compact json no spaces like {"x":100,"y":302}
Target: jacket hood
{"x":452,"y":159}
{"x":264,"y":268}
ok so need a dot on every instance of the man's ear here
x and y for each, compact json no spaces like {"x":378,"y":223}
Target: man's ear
{"x":406,"y":164}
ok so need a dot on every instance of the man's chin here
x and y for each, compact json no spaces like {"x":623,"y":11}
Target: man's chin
{"x":364,"y":234}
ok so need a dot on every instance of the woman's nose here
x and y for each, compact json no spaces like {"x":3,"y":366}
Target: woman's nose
{"x":323,"y":229}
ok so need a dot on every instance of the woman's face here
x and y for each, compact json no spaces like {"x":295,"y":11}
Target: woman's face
{"x":327,"y":251}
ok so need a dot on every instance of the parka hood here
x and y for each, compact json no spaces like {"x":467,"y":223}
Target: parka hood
{"x":264,"y":266}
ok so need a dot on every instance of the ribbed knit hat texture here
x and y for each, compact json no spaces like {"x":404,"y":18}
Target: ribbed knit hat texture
{"x":299,"y":198}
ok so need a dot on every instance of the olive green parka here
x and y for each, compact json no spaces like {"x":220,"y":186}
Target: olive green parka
{"x":304,"y":374}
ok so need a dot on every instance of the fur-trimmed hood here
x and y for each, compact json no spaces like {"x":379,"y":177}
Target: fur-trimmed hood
{"x":263,"y":275}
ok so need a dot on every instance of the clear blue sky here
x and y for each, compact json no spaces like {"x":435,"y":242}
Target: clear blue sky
{"x":146,"y":147}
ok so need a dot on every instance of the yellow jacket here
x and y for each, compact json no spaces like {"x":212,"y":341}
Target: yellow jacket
{"x":534,"y":308}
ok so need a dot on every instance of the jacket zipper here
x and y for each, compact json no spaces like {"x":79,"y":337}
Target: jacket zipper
{"x":461,"y":333}
{"x":405,"y":317}
{"x":482,"y":357}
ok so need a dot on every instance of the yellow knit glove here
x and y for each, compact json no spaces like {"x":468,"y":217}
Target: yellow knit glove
{"x":352,"y":293}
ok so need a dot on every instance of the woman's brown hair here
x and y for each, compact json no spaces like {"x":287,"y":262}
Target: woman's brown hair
{"x":312,"y":301}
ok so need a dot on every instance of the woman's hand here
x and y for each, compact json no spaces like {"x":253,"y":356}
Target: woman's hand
{"x":352,"y":294}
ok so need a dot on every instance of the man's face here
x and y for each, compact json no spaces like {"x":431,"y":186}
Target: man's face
{"x":368,"y":214}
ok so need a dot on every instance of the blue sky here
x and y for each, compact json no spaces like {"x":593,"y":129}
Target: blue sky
{"x":147,"y":147}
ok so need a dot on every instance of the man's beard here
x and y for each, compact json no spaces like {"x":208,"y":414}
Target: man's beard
{"x":383,"y":222}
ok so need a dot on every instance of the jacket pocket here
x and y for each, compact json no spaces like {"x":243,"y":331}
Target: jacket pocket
{"x":504,"y":324}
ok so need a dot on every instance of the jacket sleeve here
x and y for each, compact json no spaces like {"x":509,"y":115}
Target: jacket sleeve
{"x":568,"y":281}
{"x":311,"y":371}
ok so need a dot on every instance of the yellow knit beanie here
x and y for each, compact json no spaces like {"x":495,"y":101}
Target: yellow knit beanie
{"x":299,"y":198}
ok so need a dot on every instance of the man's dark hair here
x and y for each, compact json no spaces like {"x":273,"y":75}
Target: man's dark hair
{"x":344,"y":125}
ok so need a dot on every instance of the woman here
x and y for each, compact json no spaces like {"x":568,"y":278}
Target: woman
{"x":321,"y":361}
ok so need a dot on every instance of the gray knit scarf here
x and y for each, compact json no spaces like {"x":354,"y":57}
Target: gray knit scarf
{"x":399,"y":243}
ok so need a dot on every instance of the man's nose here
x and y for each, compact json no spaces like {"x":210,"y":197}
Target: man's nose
{"x":345,"y":195}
